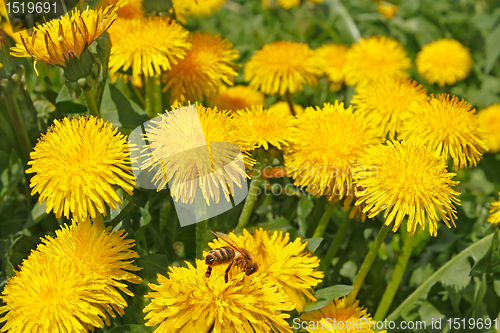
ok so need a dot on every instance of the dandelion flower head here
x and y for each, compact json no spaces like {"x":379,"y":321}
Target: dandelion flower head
{"x":187,"y":301}
{"x":238,"y":98}
{"x":263,"y":127}
{"x":406,"y":180}
{"x":68,"y":284}
{"x":182,"y":144}
{"x":387,"y":9}
{"x":205,"y":69}
{"x":146,"y":45}
{"x":282,"y":67}
{"x":489,"y":119}
{"x":195,"y":8}
{"x":284,"y":107}
{"x":325,"y":145}
{"x":373,"y":58}
{"x":56,"y":41}
{"x":106,"y":255}
{"x":331,"y":59}
{"x":450,"y":127}
{"x":338,"y":311}
{"x":77,"y":163}
{"x":386,"y":102}
{"x":444,"y":61}
{"x":286,"y":263}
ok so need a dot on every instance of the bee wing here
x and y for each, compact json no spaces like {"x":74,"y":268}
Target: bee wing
{"x":233,"y":244}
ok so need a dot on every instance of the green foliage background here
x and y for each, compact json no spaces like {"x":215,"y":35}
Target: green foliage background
{"x":455,"y":275}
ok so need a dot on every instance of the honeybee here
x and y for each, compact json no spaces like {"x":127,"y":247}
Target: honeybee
{"x":232,"y":255}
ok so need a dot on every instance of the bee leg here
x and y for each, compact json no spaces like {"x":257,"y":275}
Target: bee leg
{"x":226,"y":275}
{"x":209,"y":271}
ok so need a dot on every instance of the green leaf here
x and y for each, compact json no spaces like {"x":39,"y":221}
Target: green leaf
{"x":492,"y":48}
{"x":132,"y":329}
{"x":327,"y":295}
{"x":312,"y":243}
{"x":453,"y":266}
{"x":38,"y":212}
{"x":64,"y":95}
{"x":120,"y":110}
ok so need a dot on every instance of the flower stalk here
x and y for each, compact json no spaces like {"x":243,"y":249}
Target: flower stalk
{"x":397,"y":276}
{"x":253,"y":192}
{"x":367,"y":263}
{"x":325,"y":219}
{"x":335,"y":245}
{"x":89,"y":96}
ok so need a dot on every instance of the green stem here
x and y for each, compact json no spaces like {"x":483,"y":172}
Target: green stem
{"x":91,"y":102}
{"x":149,"y":106}
{"x":158,"y":102}
{"x":253,"y":192}
{"x":397,"y":275}
{"x":201,"y":234}
{"x":335,"y":246}
{"x":320,"y":229}
{"x":289,"y":100}
{"x":20,"y":128}
{"x":367,"y":263}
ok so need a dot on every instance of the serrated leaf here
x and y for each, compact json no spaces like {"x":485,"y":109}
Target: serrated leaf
{"x":313,"y":243}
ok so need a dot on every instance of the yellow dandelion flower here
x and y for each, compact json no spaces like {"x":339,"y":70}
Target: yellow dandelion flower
{"x":68,"y":283}
{"x":147,"y":45}
{"x":181,"y":151}
{"x":286,"y":263}
{"x":105,"y":255}
{"x":386,"y":102}
{"x":283,"y":107}
{"x":195,"y":8}
{"x":262,"y":127}
{"x":387,"y":9}
{"x":335,"y":317}
{"x":405,"y":179}
{"x":57,"y":41}
{"x":373,"y":58}
{"x":282,"y":67}
{"x":444,"y":61}
{"x":322,"y":163}
{"x":238,"y":98}
{"x":49,"y":295}
{"x":128,"y":9}
{"x":204,"y":70}
{"x":187,"y":301}
{"x":449,"y":127}
{"x":331,"y":59}
{"x":76,"y":165}
{"x":494,"y":217}
{"x":489,"y":119}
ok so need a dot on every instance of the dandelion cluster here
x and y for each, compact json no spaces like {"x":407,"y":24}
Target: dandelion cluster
{"x":489,"y":120}
{"x":245,"y":303}
{"x":70,"y":283}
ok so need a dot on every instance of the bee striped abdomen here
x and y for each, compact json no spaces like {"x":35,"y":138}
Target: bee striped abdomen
{"x":219,"y":256}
